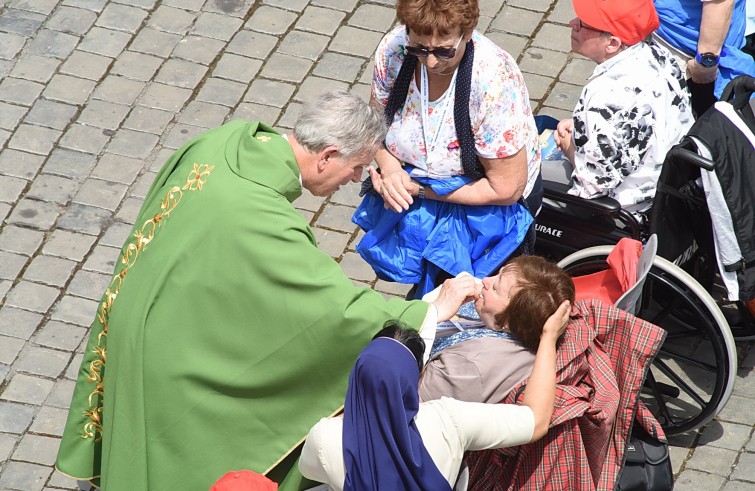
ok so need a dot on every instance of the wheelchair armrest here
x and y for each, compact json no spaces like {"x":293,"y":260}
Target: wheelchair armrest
{"x":603,"y":205}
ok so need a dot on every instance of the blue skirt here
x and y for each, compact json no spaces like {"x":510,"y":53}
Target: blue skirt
{"x":414,"y":246}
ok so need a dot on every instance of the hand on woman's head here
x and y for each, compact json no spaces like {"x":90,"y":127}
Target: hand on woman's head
{"x":544,"y":290}
{"x":556,"y":324}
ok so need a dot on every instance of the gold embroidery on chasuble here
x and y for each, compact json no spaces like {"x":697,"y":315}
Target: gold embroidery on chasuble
{"x":197,"y":176}
{"x":142,"y":237}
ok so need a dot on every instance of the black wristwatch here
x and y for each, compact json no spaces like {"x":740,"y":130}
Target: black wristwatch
{"x":707,"y":60}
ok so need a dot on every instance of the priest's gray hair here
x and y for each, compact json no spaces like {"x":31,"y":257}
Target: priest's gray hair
{"x":342,"y":119}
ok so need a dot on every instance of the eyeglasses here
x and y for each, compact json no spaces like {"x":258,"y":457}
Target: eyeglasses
{"x":440,"y":53}
{"x":582,"y":25}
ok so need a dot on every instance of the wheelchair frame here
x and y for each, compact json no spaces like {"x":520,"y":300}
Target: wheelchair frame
{"x":682,"y":389}
{"x":685,"y":388}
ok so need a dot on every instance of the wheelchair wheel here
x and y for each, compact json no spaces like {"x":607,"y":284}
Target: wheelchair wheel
{"x":693,"y":374}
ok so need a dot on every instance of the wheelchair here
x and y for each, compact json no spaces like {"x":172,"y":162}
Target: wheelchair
{"x":693,"y":375}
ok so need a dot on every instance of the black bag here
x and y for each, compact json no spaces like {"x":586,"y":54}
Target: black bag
{"x":647,"y":465}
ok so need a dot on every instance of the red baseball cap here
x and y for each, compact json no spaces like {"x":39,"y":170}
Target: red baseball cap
{"x":629,"y":20}
{"x":245,"y":480}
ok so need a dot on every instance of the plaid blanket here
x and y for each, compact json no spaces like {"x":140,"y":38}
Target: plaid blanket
{"x":602,"y":362}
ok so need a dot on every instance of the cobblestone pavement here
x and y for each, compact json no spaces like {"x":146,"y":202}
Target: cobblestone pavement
{"x":96,"y":94}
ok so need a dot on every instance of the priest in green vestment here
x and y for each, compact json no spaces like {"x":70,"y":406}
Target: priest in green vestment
{"x":225,"y":333}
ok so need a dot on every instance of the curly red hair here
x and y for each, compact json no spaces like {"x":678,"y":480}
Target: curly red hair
{"x":444,"y":17}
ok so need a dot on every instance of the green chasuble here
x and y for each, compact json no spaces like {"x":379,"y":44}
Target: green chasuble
{"x":225,"y":333}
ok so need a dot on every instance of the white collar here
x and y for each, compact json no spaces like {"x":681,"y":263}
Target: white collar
{"x":628,"y":52}
{"x":285,"y":136}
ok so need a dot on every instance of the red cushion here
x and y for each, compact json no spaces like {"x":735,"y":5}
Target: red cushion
{"x":609,"y":285}
{"x":602,"y":285}
{"x":623,"y":261}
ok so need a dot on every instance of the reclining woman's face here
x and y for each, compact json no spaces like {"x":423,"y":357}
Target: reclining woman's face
{"x":495,"y":295}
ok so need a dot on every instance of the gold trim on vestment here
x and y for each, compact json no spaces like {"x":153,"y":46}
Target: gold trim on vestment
{"x":88,"y":479}
{"x":298,"y":444}
{"x":142,"y":237}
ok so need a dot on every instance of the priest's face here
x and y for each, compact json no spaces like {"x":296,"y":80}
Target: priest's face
{"x":339,"y":171}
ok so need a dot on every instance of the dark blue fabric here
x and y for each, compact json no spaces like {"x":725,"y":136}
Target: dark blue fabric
{"x":462,"y":122}
{"x":545,"y":122}
{"x":680,"y":26}
{"x":400,"y":89}
{"x":535,"y":199}
{"x":382,"y":447}
{"x":433,"y":236}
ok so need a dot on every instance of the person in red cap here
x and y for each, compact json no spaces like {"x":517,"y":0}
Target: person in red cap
{"x":634,"y":108}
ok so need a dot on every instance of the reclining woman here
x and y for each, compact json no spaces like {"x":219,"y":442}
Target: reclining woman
{"x":388,"y":440}
{"x":482,"y":365}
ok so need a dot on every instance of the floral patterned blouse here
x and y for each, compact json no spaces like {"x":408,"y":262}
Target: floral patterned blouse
{"x":634,"y":109}
{"x":499,"y":109}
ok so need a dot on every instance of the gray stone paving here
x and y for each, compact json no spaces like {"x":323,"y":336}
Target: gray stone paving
{"x":95,"y":95}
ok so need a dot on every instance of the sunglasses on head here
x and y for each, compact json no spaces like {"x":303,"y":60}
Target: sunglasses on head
{"x":444,"y":53}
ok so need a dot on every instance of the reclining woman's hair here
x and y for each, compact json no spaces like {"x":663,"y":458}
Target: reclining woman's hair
{"x":408,"y":337}
{"x":342,"y":119}
{"x":543,"y":287}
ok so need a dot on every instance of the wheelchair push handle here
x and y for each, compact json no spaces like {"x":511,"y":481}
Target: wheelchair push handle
{"x":739,"y":90}
{"x":682,"y":154}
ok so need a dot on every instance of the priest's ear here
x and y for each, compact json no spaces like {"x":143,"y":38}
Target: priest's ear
{"x":325,"y":155}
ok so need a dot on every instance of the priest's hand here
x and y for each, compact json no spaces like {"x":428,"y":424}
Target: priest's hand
{"x":454,"y":292}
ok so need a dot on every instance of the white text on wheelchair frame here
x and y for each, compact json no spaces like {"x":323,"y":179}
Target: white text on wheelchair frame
{"x":548,"y":230}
